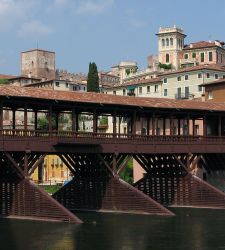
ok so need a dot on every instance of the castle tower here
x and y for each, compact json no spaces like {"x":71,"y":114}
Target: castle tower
{"x":38,"y":63}
{"x":170,"y":43}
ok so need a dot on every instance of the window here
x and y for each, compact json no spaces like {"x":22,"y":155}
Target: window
{"x":167,"y":42}
{"x":185,"y":56}
{"x":165,"y":92}
{"x":216,"y":76}
{"x":186,"y":77}
{"x":114,"y":92}
{"x":193,"y":55}
{"x":199,"y":88}
{"x":124,"y":91}
{"x":171,"y":41}
{"x":165,"y":80}
{"x":202,"y":57}
{"x":148,"y":89}
{"x":74,"y":88}
{"x":186,"y":89}
{"x":67,"y":84}
{"x":223,"y":76}
{"x":210,"y":95}
{"x":57,"y":84}
{"x":199,"y":75}
{"x":163,"y":42}
{"x":167,"y":58}
{"x":156,"y":88}
{"x":140,"y":90}
{"x":207,"y":75}
{"x":179,"y":78}
{"x":210,"y":56}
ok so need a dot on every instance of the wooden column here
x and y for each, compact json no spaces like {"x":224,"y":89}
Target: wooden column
{"x":50,"y":120}
{"x":141,"y":122}
{"x":1,"y":116}
{"x":25,"y":117}
{"x":114,"y":123}
{"x":188,"y":124}
{"x":35,"y":120}
{"x":178,"y":121}
{"x":148,"y":125}
{"x":171,"y":126}
{"x":153,"y":124}
{"x":204,"y":126}
{"x":57,"y":121}
{"x":193,"y":127}
{"x":219,"y":125}
{"x":134,"y":121}
{"x":74,"y":122}
{"x":164,"y":126}
{"x":13,"y":119}
{"x":95,"y":122}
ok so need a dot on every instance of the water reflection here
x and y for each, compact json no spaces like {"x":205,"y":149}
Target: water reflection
{"x":191,"y":229}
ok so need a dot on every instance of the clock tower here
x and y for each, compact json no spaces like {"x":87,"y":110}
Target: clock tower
{"x":38,"y":63}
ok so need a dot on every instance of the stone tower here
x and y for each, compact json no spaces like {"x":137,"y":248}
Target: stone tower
{"x":170,"y":43}
{"x":38,"y":63}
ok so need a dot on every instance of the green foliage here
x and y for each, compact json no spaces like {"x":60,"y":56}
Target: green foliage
{"x":51,"y":189}
{"x":165,"y":66}
{"x":127,"y":173}
{"x":93,"y":79}
{"x":42,"y":122}
{"x":4,"y":81}
{"x":104,"y":120}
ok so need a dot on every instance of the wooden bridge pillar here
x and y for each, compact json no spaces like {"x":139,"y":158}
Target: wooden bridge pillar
{"x":169,"y":180}
{"x":97,"y":186}
{"x":21,"y":198}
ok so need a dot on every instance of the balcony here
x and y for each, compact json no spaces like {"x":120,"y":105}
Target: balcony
{"x":188,"y":61}
{"x":182,"y":95}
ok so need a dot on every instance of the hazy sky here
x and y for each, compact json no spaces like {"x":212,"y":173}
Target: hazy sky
{"x":104,"y":31}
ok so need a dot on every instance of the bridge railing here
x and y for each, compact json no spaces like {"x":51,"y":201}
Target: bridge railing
{"x":89,"y":135}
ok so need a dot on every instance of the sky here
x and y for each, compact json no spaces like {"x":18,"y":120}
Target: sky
{"x":101,"y":31}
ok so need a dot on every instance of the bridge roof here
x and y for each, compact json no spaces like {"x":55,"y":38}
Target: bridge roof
{"x":105,"y":99}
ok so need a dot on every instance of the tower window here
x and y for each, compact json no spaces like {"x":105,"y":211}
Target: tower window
{"x":167,"y":58}
{"x":171,"y":41}
{"x":163,"y":42}
{"x":167,"y":42}
{"x":185,"y":56}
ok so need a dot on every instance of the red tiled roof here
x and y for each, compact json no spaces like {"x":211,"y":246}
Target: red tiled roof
{"x":220,"y":81}
{"x":196,"y":68}
{"x":104,"y":99}
{"x":201,"y":44}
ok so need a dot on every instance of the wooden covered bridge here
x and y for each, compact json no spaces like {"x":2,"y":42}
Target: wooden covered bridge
{"x":171,"y":140}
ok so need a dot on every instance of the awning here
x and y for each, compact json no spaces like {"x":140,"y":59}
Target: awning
{"x":131,"y":88}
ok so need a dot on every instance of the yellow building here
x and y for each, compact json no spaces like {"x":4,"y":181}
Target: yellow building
{"x":52,"y":171}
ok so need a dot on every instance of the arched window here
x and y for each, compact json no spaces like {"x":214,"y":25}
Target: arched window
{"x":163,"y":42}
{"x":167,"y":58}
{"x":171,"y":41}
{"x":167,"y":41}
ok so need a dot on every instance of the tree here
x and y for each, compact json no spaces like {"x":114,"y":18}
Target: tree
{"x":93,"y":79}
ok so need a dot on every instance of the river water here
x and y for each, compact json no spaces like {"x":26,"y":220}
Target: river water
{"x":190,"y":229}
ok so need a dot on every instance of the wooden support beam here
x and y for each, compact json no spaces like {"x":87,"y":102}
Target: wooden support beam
{"x":35,"y":120}
{"x":114,"y":122}
{"x":95,"y":122}
{"x":182,"y":164}
{"x":134,"y":123}
{"x":67,"y":164}
{"x":153,"y":124}
{"x":40,"y":160}
{"x":219,"y":125}
{"x":50,"y":119}
{"x":26,"y":164}
{"x":19,"y":170}
{"x":106,"y":165}
{"x":164,"y":126}
{"x":148,"y":125}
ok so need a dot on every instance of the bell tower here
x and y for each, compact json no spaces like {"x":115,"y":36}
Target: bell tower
{"x":170,"y":43}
